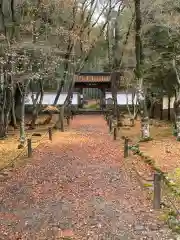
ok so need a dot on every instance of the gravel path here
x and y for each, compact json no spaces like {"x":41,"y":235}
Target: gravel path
{"x":77,"y":188}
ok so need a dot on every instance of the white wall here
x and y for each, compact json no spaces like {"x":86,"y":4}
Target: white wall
{"x":48,"y":99}
{"x":122,"y":98}
{"x":165,"y":102}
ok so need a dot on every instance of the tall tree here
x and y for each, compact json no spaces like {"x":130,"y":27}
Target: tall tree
{"x":145,"y":131}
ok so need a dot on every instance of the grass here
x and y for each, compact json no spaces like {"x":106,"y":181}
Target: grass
{"x":92,"y":104}
{"x":175,"y":177}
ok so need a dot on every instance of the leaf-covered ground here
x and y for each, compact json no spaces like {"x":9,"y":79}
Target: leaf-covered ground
{"x":9,"y":146}
{"x":164,"y":148}
{"x":77,"y":187}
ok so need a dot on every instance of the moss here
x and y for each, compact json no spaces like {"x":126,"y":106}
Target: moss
{"x":170,"y":217}
{"x":158,"y":170}
{"x":172,"y":213}
{"x":164,"y":216}
{"x":178,"y":139}
{"x":133,"y":148}
{"x":137,"y":145}
{"x":141,"y":154}
{"x":175,"y":132}
{"x":148,"y":160}
{"x":148,"y":185}
{"x":176,"y":229}
{"x":93,"y":106}
{"x":173,"y":185}
{"x":173,"y":223}
{"x":175,"y":180}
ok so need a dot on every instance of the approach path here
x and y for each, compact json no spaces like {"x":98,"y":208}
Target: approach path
{"x":77,"y":188}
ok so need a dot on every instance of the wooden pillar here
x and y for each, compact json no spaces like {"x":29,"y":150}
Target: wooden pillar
{"x":161,"y":109}
{"x":29,"y":144}
{"x":169,"y":108}
{"x":126,"y":147}
{"x":81,"y":100}
{"x":81,"y":90}
{"x":102,"y":98}
{"x":162,"y":96}
{"x":157,"y":191}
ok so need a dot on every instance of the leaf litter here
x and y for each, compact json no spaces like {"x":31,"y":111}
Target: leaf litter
{"x":77,"y":188}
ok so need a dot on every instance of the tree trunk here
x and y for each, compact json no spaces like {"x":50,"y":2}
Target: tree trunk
{"x":22,"y":138}
{"x":6,"y":119}
{"x":161,"y":109}
{"x":59,"y":91}
{"x":151,"y":105}
{"x":9,"y":96}
{"x":33,"y":120}
{"x":6,"y":108}
{"x":17,"y":102}
{"x":2,"y":127}
{"x":177,"y":116}
{"x":152,"y":109}
{"x":22,"y":123}
{"x":177,"y":101}
{"x":145,"y":130}
{"x":49,"y":118}
{"x":62,"y":118}
{"x":133,"y":114}
{"x":178,"y":125}
{"x":13,"y":121}
{"x":37,"y":105}
{"x":60,"y":122}
{"x":114,"y":87}
{"x":3,"y":105}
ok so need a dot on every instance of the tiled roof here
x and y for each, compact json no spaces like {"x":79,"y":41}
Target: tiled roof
{"x":92,"y":78}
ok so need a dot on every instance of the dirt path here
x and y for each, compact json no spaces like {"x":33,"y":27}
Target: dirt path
{"x":77,"y":188}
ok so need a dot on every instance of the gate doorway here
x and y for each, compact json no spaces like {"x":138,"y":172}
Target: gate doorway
{"x":92,"y":87}
{"x":91,"y":98}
